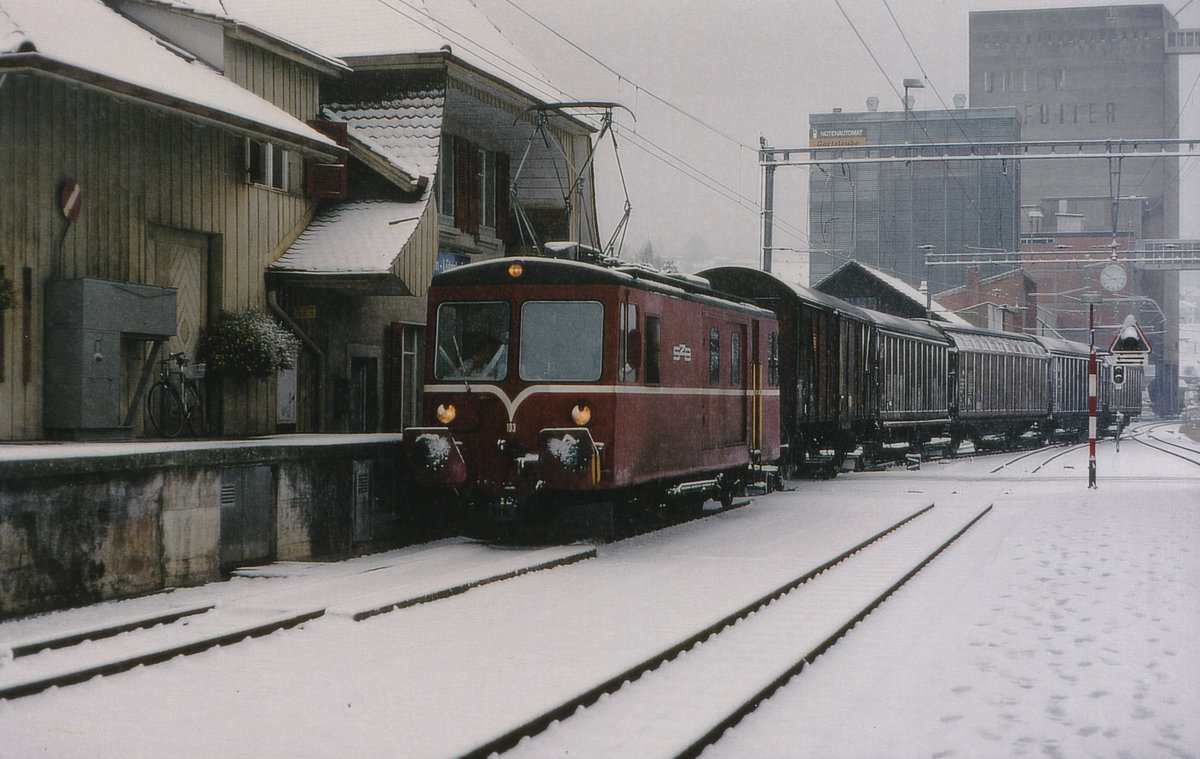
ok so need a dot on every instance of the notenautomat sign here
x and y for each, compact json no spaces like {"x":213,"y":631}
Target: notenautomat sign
{"x":837,"y":138}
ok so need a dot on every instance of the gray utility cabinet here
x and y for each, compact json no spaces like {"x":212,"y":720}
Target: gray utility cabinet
{"x":85,"y":321}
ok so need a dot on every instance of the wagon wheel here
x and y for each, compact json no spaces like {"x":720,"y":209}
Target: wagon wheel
{"x":786,"y":466}
{"x":870,"y":455}
{"x":791,"y":464}
{"x":955,"y":442}
{"x":725,"y":486}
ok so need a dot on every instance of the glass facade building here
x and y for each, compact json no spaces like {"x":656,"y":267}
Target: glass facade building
{"x":889,"y":214}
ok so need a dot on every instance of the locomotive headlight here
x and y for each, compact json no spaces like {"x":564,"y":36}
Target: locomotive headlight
{"x":446,"y":413}
{"x":581,"y":414}
{"x":515,"y":270}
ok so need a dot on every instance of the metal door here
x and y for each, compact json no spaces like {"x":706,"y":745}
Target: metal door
{"x":363,"y":513}
{"x":247,"y":516}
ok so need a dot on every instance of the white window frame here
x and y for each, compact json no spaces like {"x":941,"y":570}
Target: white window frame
{"x":273,"y":165}
{"x":487,"y":191}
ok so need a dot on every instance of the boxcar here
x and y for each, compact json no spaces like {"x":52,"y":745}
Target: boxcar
{"x":912,"y":376}
{"x":1068,"y":377}
{"x":551,"y":383}
{"x":825,"y":363}
{"x":1001,"y":383}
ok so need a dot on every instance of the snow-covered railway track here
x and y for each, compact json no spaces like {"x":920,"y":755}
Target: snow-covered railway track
{"x":1061,"y":451}
{"x":95,"y":653}
{"x":155,"y":631}
{"x":1146,"y":437}
{"x":721,"y":673}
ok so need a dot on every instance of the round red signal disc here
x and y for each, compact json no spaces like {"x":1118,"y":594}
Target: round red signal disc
{"x":72,"y":199}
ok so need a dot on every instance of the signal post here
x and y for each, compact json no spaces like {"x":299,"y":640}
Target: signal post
{"x":1129,"y":348}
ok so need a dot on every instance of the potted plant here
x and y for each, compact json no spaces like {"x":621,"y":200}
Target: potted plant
{"x":247,"y":344}
{"x":8,"y":293}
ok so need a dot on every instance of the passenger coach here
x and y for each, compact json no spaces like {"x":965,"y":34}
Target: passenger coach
{"x":553,"y":383}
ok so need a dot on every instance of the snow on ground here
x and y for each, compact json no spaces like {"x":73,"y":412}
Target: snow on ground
{"x":1063,"y":624}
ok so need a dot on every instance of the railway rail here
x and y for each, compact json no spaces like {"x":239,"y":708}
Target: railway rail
{"x":722,"y":672}
{"x":1059,"y":453}
{"x":356,"y":589}
{"x":1146,"y":435}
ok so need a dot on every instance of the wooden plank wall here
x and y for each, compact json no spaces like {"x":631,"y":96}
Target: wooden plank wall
{"x":416,"y":263}
{"x":137,"y":167}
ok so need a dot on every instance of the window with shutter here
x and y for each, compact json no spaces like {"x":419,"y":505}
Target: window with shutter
{"x":324,"y":179}
{"x":472,"y":187}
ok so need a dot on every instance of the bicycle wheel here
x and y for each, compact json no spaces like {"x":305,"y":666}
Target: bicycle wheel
{"x":165,"y":409}
{"x":195,"y":411}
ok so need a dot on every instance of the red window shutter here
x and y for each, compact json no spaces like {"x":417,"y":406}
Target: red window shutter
{"x":502,"y":196}
{"x":476,"y":219}
{"x":466,"y":206}
{"x":323,"y":179}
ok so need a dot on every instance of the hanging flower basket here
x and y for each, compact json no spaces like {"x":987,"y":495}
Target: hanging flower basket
{"x":8,"y":294}
{"x":247,"y":344}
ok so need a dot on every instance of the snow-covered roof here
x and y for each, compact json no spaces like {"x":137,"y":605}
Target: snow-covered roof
{"x":214,"y":8}
{"x":939,"y":311}
{"x":86,"y":39}
{"x":363,"y":29}
{"x":215,"y":13}
{"x":404,"y":133}
{"x":353,"y":239}
{"x":401,"y":139}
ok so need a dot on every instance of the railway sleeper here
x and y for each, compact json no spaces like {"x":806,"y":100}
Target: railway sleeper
{"x":732,"y":666}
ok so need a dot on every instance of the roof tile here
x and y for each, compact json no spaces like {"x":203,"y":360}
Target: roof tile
{"x":405,"y":131}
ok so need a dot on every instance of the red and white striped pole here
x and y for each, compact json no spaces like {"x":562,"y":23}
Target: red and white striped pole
{"x":1092,"y":395}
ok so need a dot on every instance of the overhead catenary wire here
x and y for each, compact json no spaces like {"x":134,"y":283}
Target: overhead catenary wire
{"x":891,"y":83}
{"x":535,"y":79}
{"x":925,"y":73}
{"x":639,"y":89}
{"x":683,"y":167}
{"x":421,"y":17}
{"x":621,"y":77}
{"x":1191,"y":162}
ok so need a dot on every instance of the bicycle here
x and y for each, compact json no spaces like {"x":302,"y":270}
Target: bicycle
{"x":173,"y":404}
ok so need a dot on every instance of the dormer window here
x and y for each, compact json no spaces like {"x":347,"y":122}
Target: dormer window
{"x":266,"y":165}
{"x":472,"y":188}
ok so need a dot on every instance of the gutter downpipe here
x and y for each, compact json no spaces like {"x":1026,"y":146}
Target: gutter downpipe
{"x":273,"y":303}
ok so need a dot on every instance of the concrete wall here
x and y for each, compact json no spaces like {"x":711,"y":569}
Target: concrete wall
{"x":76,"y":529}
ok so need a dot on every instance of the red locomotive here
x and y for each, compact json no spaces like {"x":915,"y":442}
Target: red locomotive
{"x":557,"y":387}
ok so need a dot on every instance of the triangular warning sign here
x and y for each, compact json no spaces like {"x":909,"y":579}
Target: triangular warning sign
{"x":1130,"y":339}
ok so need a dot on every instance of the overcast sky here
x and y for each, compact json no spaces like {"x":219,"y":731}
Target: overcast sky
{"x":747,"y":70}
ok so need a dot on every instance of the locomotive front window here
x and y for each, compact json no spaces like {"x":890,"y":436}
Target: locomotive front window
{"x":562,"y":340}
{"x":472,"y":341}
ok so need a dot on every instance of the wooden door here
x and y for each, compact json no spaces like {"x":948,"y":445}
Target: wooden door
{"x":181,"y":261}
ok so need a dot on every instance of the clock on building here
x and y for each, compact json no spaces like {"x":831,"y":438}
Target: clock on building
{"x":1113,"y":278}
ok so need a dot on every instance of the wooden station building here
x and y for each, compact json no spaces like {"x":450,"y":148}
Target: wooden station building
{"x":162,"y":161}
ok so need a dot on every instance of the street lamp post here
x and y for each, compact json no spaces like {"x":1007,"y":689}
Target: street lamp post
{"x":911,"y":84}
{"x":928,"y":282}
